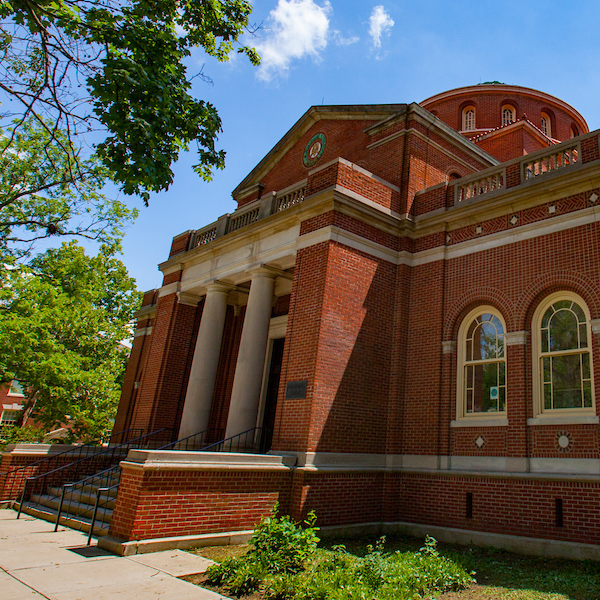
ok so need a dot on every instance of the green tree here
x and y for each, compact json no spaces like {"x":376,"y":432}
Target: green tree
{"x":76,"y":64}
{"x":46,"y":190}
{"x":62,"y":318}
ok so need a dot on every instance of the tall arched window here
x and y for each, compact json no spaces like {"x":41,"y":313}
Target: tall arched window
{"x":482,"y":365}
{"x":508,"y":114}
{"x":468,"y":118}
{"x":563,"y":359}
{"x":546,"y":124}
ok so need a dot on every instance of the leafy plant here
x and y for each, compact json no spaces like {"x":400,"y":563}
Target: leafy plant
{"x":281,"y":545}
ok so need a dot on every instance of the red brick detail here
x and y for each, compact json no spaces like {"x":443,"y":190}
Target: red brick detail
{"x":165,"y":503}
{"x":180,"y":243}
{"x":337,"y":219}
{"x":488,"y":107}
{"x":513,"y":175}
{"x":589,"y":149}
{"x":161,"y":392}
{"x":500,"y":505}
{"x":339,"y":299}
{"x":172,"y":277}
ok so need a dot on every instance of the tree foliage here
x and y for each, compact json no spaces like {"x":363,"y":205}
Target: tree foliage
{"x":62,"y":317}
{"x":73,"y":65}
{"x":46,"y":190}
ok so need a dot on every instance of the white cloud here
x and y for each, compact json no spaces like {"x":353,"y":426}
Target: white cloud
{"x":297,"y":28}
{"x":380,"y":23}
{"x":340,"y":40}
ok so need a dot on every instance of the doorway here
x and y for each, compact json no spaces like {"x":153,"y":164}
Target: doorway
{"x":270,"y":405}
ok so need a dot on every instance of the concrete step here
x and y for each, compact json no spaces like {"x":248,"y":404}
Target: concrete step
{"x":72,"y":507}
{"x":85,"y":496}
{"x":79,"y":523}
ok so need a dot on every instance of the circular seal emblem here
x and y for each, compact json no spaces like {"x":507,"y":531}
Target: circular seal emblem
{"x":314,"y":149}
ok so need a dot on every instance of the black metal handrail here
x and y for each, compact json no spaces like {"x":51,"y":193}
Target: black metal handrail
{"x":75,"y":469}
{"x":72,"y":493}
{"x":48,"y":461}
{"x":194,"y":442}
{"x":249,"y":441}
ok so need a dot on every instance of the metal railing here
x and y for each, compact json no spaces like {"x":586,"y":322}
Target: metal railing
{"x":94,"y":496}
{"x":75,"y":498}
{"x":11,"y":481}
{"x":194,"y":442}
{"x":88,"y":465}
{"x":252,"y":440}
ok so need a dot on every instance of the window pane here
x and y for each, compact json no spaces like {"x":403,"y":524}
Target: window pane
{"x":587,"y":394}
{"x":546,"y":317}
{"x":469,"y":401}
{"x":579,"y":312}
{"x":547,"y":396}
{"x":566,"y":381}
{"x":582,"y":335}
{"x":585,"y":363}
{"x":486,"y":391}
{"x":16,"y":388}
{"x":563,"y":331}
{"x":547,"y":370}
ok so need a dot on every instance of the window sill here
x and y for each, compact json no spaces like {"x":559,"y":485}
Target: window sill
{"x":564,"y":420}
{"x":493,"y":422}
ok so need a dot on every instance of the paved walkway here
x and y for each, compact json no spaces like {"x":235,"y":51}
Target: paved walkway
{"x":36,"y":564}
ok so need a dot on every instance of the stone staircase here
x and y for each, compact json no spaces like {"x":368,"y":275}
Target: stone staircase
{"x":79,"y":502}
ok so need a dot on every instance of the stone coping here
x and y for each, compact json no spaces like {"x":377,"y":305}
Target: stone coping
{"x":175,"y":458}
{"x":42,"y":450}
{"x":183,"y":542}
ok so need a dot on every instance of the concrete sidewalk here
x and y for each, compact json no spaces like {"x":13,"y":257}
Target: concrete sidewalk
{"x":36,"y":563}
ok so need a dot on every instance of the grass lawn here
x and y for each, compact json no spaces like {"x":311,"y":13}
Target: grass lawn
{"x":500,"y":575}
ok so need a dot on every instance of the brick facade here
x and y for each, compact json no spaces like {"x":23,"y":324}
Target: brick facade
{"x":394,"y":231}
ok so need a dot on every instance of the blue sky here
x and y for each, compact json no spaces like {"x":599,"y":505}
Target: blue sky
{"x":356,"y":52}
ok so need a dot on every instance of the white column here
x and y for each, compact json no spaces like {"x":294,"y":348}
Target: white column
{"x":201,"y":384}
{"x":245,"y":396}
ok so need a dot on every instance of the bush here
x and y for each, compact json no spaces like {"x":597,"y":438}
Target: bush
{"x":285,"y":562}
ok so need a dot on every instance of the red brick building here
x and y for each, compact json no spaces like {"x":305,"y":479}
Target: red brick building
{"x":407,"y":303}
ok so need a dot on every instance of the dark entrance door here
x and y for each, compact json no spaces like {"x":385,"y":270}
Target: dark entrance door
{"x":271,"y":396}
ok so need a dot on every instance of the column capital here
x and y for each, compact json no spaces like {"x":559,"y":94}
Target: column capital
{"x":264,"y":271}
{"x":219,"y":287}
{"x":188,"y":299}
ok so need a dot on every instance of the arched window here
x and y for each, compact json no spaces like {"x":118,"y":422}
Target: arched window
{"x":482,"y":365}
{"x":563,"y":359}
{"x":508,"y":114}
{"x":546,"y":124}
{"x":574,"y":131}
{"x":468,"y":118}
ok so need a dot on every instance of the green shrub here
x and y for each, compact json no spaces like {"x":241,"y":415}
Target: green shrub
{"x":285,"y":562}
{"x":283,"y":546}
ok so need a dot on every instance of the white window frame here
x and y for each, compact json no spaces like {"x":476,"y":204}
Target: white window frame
{"x":539,"y":412}
{"x":468,"y":122}
{"x":494,"y":418}
{"x":16,"y":385}
{"x":507,"y":108}
{"x":547,"y":128}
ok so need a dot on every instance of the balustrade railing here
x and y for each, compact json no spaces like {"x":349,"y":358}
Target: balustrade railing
{"x":477,"y":187}
{"x":242,"y":218}
{"x":246,"y":215}
{"x":551,"y":161}
{"x":289,"y":199}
